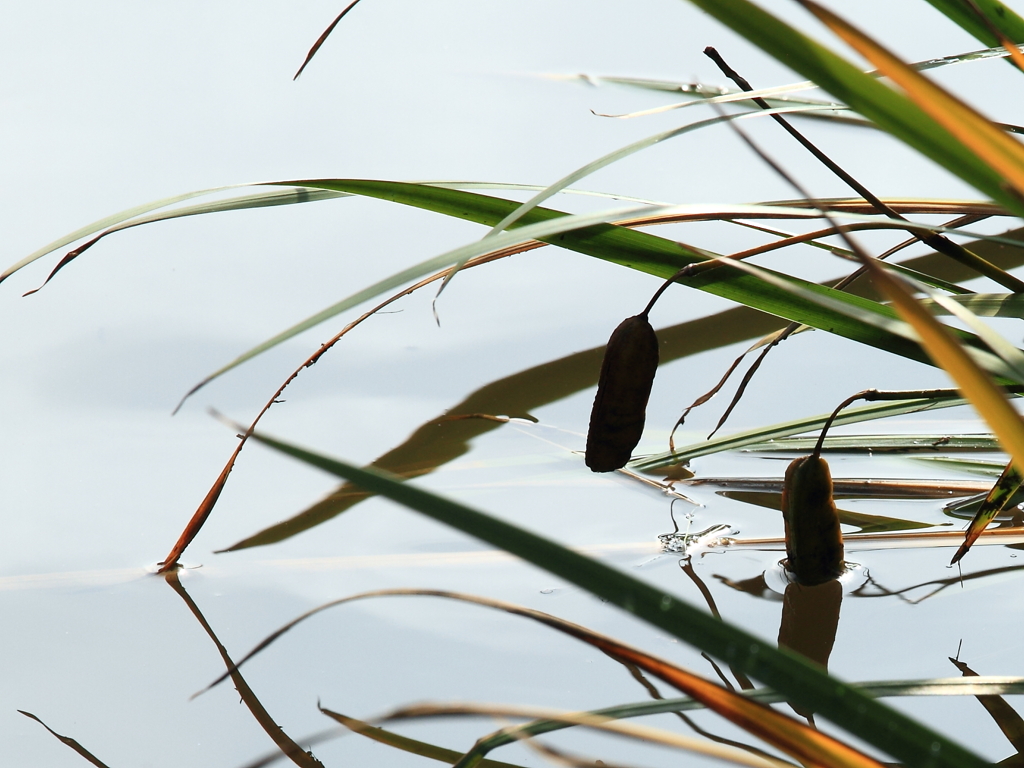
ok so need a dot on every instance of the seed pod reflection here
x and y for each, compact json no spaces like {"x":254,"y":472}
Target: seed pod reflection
{"x":620,"y":407}
{"x":814,"y":543}
{"x":810,"y":619}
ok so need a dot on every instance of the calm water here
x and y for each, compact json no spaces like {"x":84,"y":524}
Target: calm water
{"x":109,"y":107}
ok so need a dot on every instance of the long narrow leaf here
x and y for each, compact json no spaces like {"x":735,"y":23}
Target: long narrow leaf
{"x":109,"y":221}
{"x":783,"y":732}
{"x":590,"y":234}
{"x":802,"y":682}
{"x":999,"y":14}
{"x":892,"y":111}
{"x":1000,"y":152}
{"x":136,"y":216}
{"x":586,"y":719}
{"x":949,"y":686}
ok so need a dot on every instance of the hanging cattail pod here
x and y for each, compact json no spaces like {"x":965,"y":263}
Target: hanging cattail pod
{"x":620,"y":407}
{"x":814,"y":543}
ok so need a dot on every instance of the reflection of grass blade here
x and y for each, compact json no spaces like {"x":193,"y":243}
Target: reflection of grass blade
{"x":1005,"y":716}
{"x":886,"y":444}
{"x":1002,"y":492}
{"x":293,"y":751}
{"x":779,"y":730}
{"x":442,"y":440}
{"x":404,"y":743}
{"x":586,"y":719}
{"x":787,"y":428}
{"x":68,"y":741}
{"x":802,"y":683}
{"x":949,"y":686}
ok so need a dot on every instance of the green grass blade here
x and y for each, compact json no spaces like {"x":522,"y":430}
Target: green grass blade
{"x":1001,"y":15}
{"x":982,"y":304}
{"x":890,"y":444}
{"x":969,"y":129}
{"x":802,"y":682}
{"x":890,"y":110}
{"x":652,"y":254}
{"x":590,"y":234}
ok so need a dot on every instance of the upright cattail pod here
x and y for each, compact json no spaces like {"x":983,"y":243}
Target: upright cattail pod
{"x":814,"y":542}
{"x":620,"y":407}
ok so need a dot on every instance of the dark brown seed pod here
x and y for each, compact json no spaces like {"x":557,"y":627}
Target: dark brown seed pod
{"x":620,"y":407}
{"x":814,"y":543}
